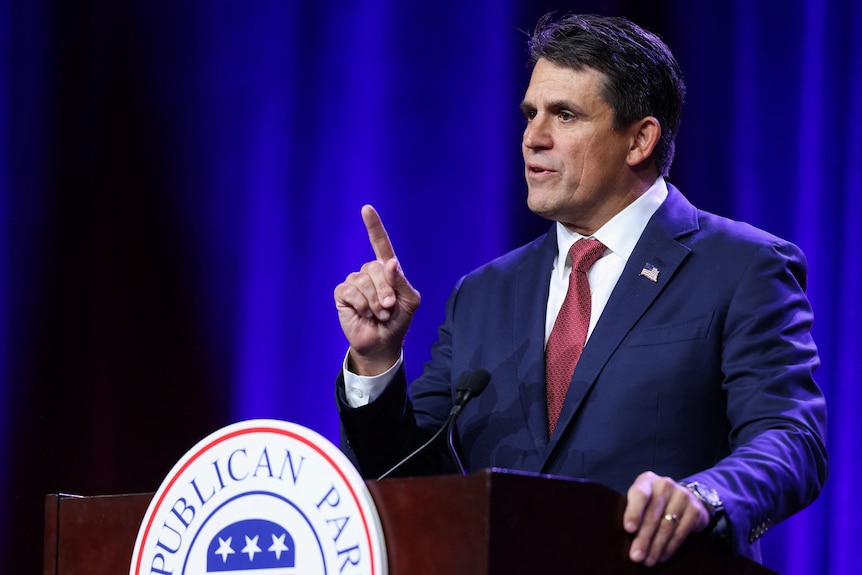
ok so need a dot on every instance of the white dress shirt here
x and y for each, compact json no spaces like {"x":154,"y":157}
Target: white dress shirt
{"x":619,"y":235}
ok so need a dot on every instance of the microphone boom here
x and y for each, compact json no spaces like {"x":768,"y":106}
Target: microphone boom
{"x":469,"y":385}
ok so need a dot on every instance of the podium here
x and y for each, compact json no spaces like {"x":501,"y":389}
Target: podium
{"x":490,"y":522}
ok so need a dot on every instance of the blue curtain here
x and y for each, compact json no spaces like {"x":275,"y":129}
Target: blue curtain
{"x":180,"y":186}
{"x":4,"y":240}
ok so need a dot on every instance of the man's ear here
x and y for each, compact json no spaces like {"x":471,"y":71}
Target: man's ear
{"x":645,"y":136}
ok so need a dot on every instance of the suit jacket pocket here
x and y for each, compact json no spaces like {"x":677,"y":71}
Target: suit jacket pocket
{"x":691,"y":329}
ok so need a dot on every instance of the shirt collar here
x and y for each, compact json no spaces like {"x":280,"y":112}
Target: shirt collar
{"x":621,"y":232}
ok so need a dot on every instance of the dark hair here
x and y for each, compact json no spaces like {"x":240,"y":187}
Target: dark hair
{"x":642,"y":76}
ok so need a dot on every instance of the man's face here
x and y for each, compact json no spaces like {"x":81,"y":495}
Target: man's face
{"x":575,"y":163}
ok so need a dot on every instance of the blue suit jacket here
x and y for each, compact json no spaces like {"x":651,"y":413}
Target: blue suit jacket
{"x":704,"y":374}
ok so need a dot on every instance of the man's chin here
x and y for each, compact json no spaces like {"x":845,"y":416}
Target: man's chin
{"x":540,"y":208}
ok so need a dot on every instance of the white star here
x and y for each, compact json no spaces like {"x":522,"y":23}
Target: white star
{"x":224,"y":548}
{"x":251,"y":547}
{"x":278,"y":545}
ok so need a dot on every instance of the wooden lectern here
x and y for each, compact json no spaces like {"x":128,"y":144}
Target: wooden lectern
{"x":491,"y":522}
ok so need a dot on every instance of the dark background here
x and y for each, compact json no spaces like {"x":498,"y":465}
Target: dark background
{"x":180,"y":186}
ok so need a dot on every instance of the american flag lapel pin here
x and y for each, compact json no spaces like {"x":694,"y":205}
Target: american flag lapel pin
{"x":650,"y":272}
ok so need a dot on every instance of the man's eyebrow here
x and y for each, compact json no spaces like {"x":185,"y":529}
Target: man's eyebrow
{"x":553,"y":106}
{"x":557,"y":105}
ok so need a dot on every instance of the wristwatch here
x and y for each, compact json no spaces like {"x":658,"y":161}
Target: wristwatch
{"x":709,"y":497}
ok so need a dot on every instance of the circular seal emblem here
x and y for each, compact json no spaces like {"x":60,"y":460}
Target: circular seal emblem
{"x":261,"y":497}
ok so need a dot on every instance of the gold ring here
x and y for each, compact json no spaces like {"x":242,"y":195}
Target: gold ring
{"x":672,"y":517}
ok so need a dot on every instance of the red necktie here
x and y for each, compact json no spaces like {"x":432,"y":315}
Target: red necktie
{"x":569,"y":334}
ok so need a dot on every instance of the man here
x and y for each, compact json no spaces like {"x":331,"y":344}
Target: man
{"x":693,"y":393}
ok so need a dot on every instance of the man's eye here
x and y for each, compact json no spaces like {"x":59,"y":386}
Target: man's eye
{"x":566,"y":116}
{"x":529,"y":114}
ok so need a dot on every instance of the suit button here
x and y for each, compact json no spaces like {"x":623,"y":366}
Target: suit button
{"x":757,"y":532}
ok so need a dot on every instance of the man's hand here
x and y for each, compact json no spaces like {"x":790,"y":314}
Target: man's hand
{"x":376,"y":304}
{"x":662,"y":514}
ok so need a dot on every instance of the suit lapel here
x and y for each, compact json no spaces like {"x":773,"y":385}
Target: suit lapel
{"x":530,"y":306}
{"x":631,"y":297}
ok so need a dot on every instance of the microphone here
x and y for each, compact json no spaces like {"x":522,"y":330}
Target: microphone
{"x":476,"y":383}
{"x":469,"y":385}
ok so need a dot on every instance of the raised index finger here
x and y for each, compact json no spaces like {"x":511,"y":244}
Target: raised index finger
{"x":377,"y":234}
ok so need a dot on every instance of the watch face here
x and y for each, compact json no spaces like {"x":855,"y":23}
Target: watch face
{"x":708,"y":494}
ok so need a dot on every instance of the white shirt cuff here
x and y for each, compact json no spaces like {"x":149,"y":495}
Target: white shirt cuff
{"x":361,"y":390}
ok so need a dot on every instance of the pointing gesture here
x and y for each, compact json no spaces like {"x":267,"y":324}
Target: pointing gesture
{"x":376,"y":304}
{"x":377,"y":234}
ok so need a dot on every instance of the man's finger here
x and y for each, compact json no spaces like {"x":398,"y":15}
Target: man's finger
{"x":637,"y":499}
{"x":377,"y":235}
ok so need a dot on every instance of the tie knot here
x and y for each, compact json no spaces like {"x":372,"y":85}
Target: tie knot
{"x":584,"y":254}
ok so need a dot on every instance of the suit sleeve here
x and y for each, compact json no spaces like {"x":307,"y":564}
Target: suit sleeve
{"x":775,"y":410}
{"x":377,"y":436}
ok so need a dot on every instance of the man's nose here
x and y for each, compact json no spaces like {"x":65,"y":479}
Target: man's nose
{"x":536,"y":134}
